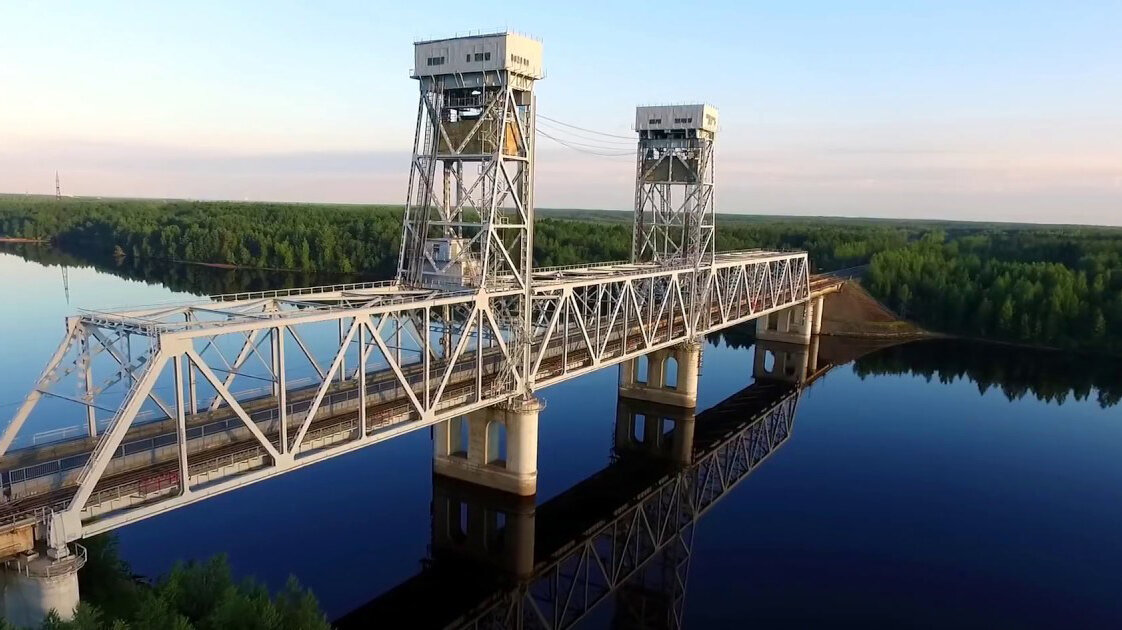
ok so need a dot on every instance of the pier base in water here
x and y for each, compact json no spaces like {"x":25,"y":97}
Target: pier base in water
{"x":496,"y":447}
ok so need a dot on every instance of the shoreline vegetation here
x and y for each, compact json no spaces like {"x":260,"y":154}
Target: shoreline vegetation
{"x":192,"y":596}
{"x":1043,"y":286}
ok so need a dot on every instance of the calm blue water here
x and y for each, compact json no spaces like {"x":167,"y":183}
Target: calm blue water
{"x":899,"y":500}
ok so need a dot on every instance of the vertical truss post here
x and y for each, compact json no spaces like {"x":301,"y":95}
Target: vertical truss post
{"x":343,"y":361}
{"x":281,"y":386}
{"x":180,"y":424}
{"x":362,"y":356}
{"x":193,"y":387}
{"x":87,"y":382}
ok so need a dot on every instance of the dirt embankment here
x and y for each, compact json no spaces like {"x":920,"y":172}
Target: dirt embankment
{"x":852,"y":312}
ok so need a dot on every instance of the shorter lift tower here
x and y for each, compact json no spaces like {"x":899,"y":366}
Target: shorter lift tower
{"x":674,"y":184}
{"x":469,"y":215}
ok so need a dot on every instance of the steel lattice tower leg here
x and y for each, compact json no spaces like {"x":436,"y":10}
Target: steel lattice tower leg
{"x":469,"y":213}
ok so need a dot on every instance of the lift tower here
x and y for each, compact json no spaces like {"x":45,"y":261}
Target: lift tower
{"x":469,"y":214}
{"x":674,"y":184}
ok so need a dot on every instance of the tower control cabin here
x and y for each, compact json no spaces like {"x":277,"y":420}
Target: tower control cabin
{"x":470,"y":208}
{"x":674,"y":184}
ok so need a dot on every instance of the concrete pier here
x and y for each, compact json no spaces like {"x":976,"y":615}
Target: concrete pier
{"x":657,"y":430}
{"x":781,"y":361}
{"x":667,"y":376}
{"x":39,"y":581}
{"x":792,"y":325}
{"x":496,"y":447}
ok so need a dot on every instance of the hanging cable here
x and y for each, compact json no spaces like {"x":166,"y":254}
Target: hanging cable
{"x":599,"y":133}
{"x":579,"y":149}
{"x":590,"y":137}
{"x":587,"y":145}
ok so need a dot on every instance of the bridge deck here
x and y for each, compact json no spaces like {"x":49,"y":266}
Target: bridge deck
{"x":584,"y":318}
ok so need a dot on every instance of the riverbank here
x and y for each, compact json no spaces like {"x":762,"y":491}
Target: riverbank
{"x":852,"y":312}
{"x":13,"y":239}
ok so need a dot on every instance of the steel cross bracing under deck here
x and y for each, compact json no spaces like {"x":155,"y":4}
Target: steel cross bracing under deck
{"x":433,"y":354}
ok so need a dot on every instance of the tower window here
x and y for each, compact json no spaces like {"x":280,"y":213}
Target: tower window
{"x":654,"y":121}
{"x":435,"y":61}
{"x":479,"y":56}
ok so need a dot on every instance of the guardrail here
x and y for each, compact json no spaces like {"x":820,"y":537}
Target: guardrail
{"x":49,"y":568}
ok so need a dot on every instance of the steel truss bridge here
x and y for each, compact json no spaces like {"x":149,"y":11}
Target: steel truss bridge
{"x":625,"y":531}
{"x":398,"y":359}
{"x":166,"y":417}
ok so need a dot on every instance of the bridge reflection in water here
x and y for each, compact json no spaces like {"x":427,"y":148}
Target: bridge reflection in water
{"x":497,"y":560}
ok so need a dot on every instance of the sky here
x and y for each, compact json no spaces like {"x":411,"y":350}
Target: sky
{"x":1005,"y":111}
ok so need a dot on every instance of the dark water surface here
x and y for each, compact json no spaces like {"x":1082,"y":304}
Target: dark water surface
{"x":931,"y":485}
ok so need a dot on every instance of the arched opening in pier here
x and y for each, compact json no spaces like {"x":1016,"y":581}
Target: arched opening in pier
{"x":670,"y":374}
{"x":642,"y":367}
{"x":496,"y":443}
{"x":458,"y":436}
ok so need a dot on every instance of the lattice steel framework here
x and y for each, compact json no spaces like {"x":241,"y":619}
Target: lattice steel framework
{"x":426,"y":356}
{"x":463,"y":330}
{"x":674,"y":216}
{"x":471,"y":183}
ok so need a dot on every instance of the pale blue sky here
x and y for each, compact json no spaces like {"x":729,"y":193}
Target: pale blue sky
{"x":1007,"y":111}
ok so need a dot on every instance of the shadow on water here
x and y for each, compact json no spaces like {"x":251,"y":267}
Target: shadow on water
{"x":621,"y":536}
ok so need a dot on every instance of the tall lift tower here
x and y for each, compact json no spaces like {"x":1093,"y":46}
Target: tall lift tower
{"x":470,"y":210}
{"x":674,"y":184}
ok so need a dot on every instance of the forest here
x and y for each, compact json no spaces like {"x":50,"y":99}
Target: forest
{"x":1049,"y":286}
{"x":192,"y":596}
{"x":364,"y":239}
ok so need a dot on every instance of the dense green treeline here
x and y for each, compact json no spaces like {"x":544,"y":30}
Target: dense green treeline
{"x":1057,"y":286}
{"x":192,"y":596}
{"x":186,"y":278}
{"x":307,"y":237}
{"x":1060,"y":288}
{"x":364,"y":239}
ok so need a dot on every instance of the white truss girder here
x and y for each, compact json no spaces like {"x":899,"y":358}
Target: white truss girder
{"x":447,"y":353}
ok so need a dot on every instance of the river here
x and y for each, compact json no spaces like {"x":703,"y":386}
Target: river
{"x":934,"y":484}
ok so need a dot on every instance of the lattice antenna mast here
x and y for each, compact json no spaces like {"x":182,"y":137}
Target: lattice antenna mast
{"x":469,"y":213}
{"x":674,"y":184}
{"x":58,"y":188}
